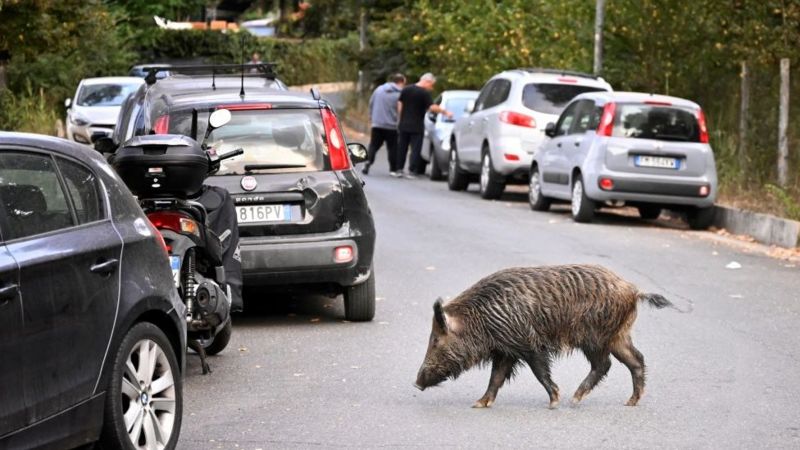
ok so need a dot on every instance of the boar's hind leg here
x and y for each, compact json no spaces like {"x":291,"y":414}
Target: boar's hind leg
{"x":600,"y":364}
{"x":502,"y":368}
{"x":540,"y":366}
{"x":626,"y":353}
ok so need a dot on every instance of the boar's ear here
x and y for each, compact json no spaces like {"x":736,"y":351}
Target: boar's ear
{"x":438,"y":315}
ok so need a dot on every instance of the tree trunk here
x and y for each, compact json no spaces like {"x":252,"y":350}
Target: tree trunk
{"x":598,"y":36}
{"x":783,"y":125}
{"x":744,"y":117}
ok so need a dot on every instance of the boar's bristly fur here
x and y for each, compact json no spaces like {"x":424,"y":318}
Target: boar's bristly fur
{"x":531,"y":314}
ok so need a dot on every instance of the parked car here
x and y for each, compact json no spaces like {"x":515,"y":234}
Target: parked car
{"x":649,"y":151}
{"x":303,"y":217}
{"x":95,"y":107}
{"x":92,"y":331}
{"x":496,"y":141}
{"x":438,"y":128}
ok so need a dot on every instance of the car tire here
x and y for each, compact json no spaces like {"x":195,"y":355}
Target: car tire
{"x":457,"y":179}
{"x":359,"y":300}
{"x":492,"y":184}
{"x":537,"y":201}
{"x":582,"y":206}
{"x":649,"y":212}
{"x":436,"y":171}
{"x":126,"y":394}
{"x":700,"y":218}
{"x":220,"y":340}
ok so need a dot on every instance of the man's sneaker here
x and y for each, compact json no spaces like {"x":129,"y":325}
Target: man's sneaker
{"x":396,"y":174}
{"x":365,"y":170}
{"x":409,"y":176}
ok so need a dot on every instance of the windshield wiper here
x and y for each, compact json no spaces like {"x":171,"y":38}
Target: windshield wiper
{"x":249,"y":167}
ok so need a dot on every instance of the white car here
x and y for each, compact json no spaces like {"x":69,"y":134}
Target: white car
{"x":496,"y":142}
{"x":436,"y":143}
{"x":96,"y":105}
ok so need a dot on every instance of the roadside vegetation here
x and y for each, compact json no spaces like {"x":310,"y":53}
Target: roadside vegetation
{"x":694,"y":50}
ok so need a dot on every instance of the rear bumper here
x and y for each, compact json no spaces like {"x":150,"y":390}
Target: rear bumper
{"x":654,"y":190}
{"x":512,"y":155}
{"x":281,"y":260}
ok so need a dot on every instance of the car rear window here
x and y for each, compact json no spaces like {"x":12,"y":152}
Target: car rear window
{"x":552,"y":98}
{"x":105,"y":94}
{"x":666,"y":123}
{"x":273,"y":140}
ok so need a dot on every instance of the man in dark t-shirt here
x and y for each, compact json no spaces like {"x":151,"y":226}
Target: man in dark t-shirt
{"x":414,"y":102}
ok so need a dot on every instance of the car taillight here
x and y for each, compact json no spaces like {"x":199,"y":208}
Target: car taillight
{"x":337,"y":150}
{"x":657,"y":103}
{"x":177,"y":222}
{"x":246,"y":106}
{"x":159,"y":237}
{"x":607,"y":119}
{"x":162,"y":125}
{"x":515,"y":118}
{"x":510,"y":157}
{"x":701,"y":122}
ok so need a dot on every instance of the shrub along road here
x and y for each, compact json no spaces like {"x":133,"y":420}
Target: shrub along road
{"x":723,"y":375}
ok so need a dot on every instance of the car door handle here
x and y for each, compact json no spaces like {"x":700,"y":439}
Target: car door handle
{"x":104,"y":266}
{"x":577,"y":143}
{"x":7,"y":293}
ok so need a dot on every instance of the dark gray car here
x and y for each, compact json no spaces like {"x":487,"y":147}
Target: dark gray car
{"x":92,"y":331}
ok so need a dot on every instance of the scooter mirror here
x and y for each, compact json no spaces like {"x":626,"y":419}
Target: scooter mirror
{"x":219,"y":118}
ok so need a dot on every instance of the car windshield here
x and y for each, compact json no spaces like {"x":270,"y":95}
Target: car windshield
{"x":273,"y":140}
{"x":667,"y":123}
{"x":457,"y":105}
{"x":105,"y":94}
{"x":552,"y":98}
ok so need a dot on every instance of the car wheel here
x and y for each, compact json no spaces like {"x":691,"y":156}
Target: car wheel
{"x":537,"y":201}
{"x":436,"y":171}
{"x":144,"y":401}
{"x":649,"y":212}
{"x":582,"y":206}
{"x":220,"y":340}
{"x":700,"y":218}
{"x":492,"y":183}
{"x":359,"y":300}
{"x":456,"y":178}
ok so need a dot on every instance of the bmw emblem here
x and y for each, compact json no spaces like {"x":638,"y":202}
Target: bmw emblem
{"x":249,"y":183}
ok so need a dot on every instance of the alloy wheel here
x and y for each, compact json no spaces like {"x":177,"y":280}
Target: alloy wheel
{"x":148,"y":396}
{"x":452,"y":164}
{"x":535,"y":188}
{"x":577,"y":197}
{"x":485,"y":168}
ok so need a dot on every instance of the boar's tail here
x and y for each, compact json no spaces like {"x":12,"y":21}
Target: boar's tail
{"x":656,"y":300}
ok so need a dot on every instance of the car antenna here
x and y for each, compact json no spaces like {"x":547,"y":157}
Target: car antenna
{"x":241,"y":91}
{"x":214,"y":78}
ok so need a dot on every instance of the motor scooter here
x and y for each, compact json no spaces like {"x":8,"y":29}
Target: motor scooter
{"x":166,"y":172}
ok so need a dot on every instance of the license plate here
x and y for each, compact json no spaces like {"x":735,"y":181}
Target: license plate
{"x":263,"y":213}
{"x":175,"y":264}
{"x":657,"y":161}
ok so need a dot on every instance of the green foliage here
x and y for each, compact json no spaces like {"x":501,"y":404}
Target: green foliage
{"x":27,"y":111}
{"x":790,"y":204}
{"x":298,"y":61}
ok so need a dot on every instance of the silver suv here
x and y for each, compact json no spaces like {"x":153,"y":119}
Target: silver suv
{"x":649,"y":151}
{"x":495,"y":142}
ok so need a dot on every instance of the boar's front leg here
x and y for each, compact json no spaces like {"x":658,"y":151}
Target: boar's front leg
{"x":540,"y":366}
{"x":502,"y":368}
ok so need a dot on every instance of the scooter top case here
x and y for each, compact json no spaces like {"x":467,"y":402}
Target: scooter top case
{"x":162,"y":165}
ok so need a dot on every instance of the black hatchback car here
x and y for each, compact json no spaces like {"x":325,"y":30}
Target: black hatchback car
{"x":302,"y":213}
{"x":92,"y":331}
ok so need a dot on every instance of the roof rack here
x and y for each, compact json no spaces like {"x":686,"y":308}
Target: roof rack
{"x":559,"y":72}
{"x":266,"y":70}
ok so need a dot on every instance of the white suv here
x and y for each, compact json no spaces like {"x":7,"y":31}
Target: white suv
{"x":495,"y":143}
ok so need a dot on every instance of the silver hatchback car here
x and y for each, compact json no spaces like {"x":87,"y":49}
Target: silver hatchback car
{"x":494,"y":144}
{"x":649,"y":151}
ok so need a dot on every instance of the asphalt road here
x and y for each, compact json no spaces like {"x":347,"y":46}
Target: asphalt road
{"x":724,"y":375}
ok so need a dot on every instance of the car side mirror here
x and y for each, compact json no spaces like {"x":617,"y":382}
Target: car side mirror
{"x":67,"y":103}
{"x":104,"y":144}
{"x":469,"y":107}
{"x":358,"y":153}
{"x":550,"y":129}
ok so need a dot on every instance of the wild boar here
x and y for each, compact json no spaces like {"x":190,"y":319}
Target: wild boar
{"x":531,"y":314}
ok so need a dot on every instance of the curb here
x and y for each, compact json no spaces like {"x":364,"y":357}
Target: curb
{"x":764,"y":228}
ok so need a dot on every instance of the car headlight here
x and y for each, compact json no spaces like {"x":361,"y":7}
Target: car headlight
{"x":79,"y":120}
